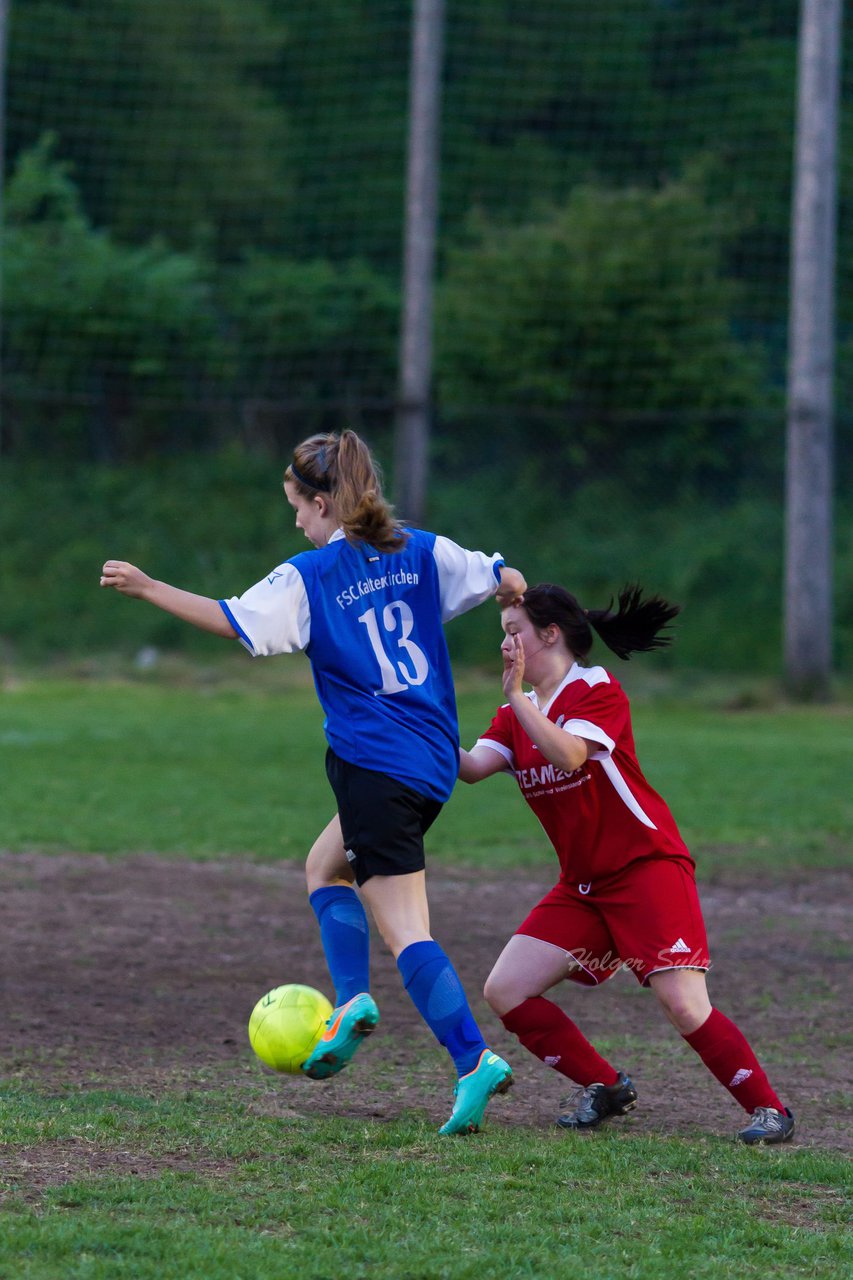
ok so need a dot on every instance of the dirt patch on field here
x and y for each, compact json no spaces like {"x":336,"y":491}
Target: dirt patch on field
{"x":29,"y":1171}
{"x":140,"y":973}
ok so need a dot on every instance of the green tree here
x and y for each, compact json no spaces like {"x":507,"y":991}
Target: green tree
{"x":105,"y":346}
{"x":614,"y":314}
{"x":316,"y":344}
{"x":162,"y":110}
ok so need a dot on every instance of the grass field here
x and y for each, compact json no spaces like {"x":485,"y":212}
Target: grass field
{"x":201,"y":1187}
{"x":216,"y":1175}
{"x":220,"y":766}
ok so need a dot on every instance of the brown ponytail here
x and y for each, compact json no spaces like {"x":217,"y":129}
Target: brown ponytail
{"x":344,"y":468}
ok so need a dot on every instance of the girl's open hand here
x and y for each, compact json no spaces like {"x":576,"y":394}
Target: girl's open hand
{"x":513,"y":667}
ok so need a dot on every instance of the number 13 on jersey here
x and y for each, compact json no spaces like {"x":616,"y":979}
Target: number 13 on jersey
{"x":397,"y":622}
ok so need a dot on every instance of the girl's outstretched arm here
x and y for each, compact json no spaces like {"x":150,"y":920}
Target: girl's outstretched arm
{"x":480,"y":763}
{"x":201,"y":611}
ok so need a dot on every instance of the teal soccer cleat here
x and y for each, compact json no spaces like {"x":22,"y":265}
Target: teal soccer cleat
{"x":491,"y":1075}
{"x":345,"y":1031}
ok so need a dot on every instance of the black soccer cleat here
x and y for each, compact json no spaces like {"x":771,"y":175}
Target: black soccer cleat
{"x":767,"y":1126}
{"x":599,"y":1101}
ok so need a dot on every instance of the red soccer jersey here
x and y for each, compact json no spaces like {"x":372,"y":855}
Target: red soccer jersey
{"x":604,"y":814}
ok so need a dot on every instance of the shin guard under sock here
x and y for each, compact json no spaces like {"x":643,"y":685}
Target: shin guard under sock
{"x":726,"y":1053}
{"x":345,"y":936}
{"x":550,"y":1035}
{"x":438,"y":996}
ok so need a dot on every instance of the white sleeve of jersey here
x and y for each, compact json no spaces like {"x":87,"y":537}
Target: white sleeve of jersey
{"x":466,"y":578}
{"x":586,"y":729}
{"x":501,"y":750}
{"x":273,"y":616}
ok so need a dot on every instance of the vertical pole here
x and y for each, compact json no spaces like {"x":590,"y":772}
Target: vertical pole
{"x":809,"y":474}
{"x":412,"y":432}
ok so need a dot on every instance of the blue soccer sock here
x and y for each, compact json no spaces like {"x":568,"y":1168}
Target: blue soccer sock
{"x":345,"y":936}
{"x":437,"y":994}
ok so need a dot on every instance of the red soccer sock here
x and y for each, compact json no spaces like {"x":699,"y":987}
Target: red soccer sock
{"x":547,"y":1033}
{"x":727,"y":1055}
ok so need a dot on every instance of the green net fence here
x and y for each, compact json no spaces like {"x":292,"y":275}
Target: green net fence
{"x":203,"y":241}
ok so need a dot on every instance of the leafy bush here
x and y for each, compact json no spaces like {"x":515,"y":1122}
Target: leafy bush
{"x":92,"y":326}
{"x":609,"y":317}
{"x":118,"y":353}
{"x":166,"y":112}
{"x":316,"y":344}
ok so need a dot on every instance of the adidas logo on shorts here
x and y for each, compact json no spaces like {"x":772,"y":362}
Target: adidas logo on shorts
{"x":680,"y":947}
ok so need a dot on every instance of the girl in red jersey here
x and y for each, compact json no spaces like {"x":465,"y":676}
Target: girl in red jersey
{"x":626,"y":895}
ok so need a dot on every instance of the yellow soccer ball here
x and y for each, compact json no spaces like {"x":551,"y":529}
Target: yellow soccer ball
{"x":286,"y":1024}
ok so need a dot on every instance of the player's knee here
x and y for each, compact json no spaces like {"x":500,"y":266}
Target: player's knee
{"x":318,"y":876}
{"x":498,"y":995}
{"x":326,"y":866}
{"x":686,"y":1009}
{"x":315,"y":877}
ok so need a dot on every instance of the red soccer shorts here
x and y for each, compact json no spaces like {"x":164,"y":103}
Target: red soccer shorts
{"x":647,"y":919}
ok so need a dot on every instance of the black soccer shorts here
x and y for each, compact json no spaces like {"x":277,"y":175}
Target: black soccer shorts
{"x":383,"y":821}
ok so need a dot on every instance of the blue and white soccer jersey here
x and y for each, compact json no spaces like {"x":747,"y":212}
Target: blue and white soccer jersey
{"x":370,"y":623}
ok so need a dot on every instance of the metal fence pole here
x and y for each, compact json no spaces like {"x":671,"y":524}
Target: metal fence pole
{"x":809,"y":472}
{"x":414,"y":410}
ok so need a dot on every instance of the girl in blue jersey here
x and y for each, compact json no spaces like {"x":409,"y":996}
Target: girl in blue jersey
{"x":367,"y":606}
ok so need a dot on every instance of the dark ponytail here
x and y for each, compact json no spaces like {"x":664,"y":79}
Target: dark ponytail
{"x":634,"y":628}
{"x":344,"y":468}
